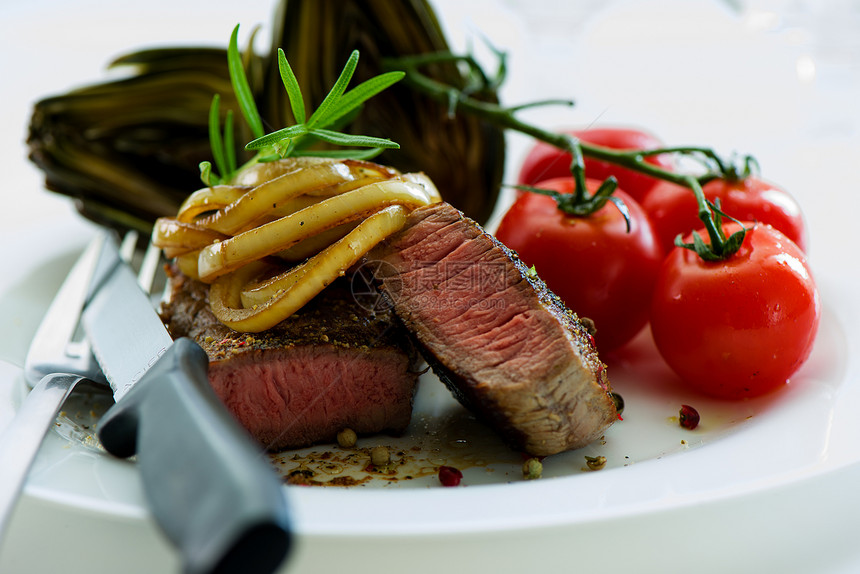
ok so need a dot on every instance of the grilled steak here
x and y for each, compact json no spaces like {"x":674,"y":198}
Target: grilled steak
{"x":505,"y":345}
{"x":333,"y":365}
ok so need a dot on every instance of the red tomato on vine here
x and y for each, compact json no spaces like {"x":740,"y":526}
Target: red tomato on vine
{"x":593,"y":263}
{"x":739,"y":327}
{"x":673,"y":208}
{"x":545,"y":161}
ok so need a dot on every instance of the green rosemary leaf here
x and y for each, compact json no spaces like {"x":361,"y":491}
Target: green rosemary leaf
{"x":240,"y":86}
{"x":361,"y":93}
{"x":274,"y":138}
{"x":320,"y":116}
{"x":352,"y":140}
{"x":229,"y":145}
{"x":215,"y":141}
{"x":206,"y":175}
{"x":361,"y":154}
{"x":297,"y":102}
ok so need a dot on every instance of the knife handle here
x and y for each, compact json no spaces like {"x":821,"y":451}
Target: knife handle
{"x":209,"y":486}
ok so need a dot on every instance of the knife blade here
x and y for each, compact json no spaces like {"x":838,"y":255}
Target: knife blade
{"x":208,"y":485}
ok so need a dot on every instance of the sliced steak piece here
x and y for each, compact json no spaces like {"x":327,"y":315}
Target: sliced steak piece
{"x":333,"y":365}
{"x":505,"y":345}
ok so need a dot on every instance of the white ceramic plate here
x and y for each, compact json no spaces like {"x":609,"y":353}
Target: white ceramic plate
{"x":760,"y":484}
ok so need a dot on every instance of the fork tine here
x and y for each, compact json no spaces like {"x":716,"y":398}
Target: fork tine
{"x":149,"y":267}
{"x":50,"y":350}
{"x":128,"y":246}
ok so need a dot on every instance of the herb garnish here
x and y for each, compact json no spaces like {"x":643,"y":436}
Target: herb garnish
{"x":337,"y":107}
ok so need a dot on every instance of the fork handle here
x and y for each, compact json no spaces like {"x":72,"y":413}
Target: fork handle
{"x":209,"y":486}
{"x":20,"y":441}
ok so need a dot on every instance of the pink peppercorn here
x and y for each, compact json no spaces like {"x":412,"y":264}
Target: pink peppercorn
{"x":449,"y":476}
{"x":688,"y":417}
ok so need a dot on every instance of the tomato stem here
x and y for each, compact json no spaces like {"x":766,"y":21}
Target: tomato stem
{"x":582,"y":203}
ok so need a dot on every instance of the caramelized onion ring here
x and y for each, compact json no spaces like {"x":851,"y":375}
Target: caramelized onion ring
{"x":313,"y":245}
{"x":225,"y":256}
{"x":325,"y":211}
{"x":178,"y":237}
{"x":209,"y":199}
{"x":187,"y":263}
{"x":265,"y":304}
{"x":269,"y":195}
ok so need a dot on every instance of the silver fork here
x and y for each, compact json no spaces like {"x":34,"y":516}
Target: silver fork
{"x":56,"y":363}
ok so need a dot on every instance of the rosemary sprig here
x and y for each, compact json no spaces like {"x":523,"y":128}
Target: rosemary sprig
{"x":336,"y":105}
{"x":322,"y":125}
{"x":224,"y":155}
{"x":241,"y":87}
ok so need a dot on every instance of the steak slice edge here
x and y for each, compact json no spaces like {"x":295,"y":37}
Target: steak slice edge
{"x":503,"y":343}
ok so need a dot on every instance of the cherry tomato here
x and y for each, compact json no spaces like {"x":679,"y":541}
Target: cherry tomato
{"x":739,"y":327}
{"x":545,"y":161}
{"x":592,"y":263}
{"x":673,"y":209}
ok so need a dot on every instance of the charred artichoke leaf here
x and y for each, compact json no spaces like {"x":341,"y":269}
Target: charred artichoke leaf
{"x":128,"y":150}
{"x":462,"y":154}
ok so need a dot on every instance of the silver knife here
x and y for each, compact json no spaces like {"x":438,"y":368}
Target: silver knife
{"x":208,"y":485}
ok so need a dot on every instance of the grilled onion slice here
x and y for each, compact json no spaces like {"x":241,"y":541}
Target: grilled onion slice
{"x":243,"y":303}
{"x":324,"y":214}
{"x":225,"y":256}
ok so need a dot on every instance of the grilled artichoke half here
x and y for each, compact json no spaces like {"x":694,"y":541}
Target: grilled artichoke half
{"x":128,"y":150}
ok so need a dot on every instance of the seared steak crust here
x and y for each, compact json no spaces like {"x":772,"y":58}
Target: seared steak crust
{"x":332,"y":365}
{"x":504,"y":344}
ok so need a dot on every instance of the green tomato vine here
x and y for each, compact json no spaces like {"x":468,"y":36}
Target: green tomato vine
{"x":582,"y":202}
